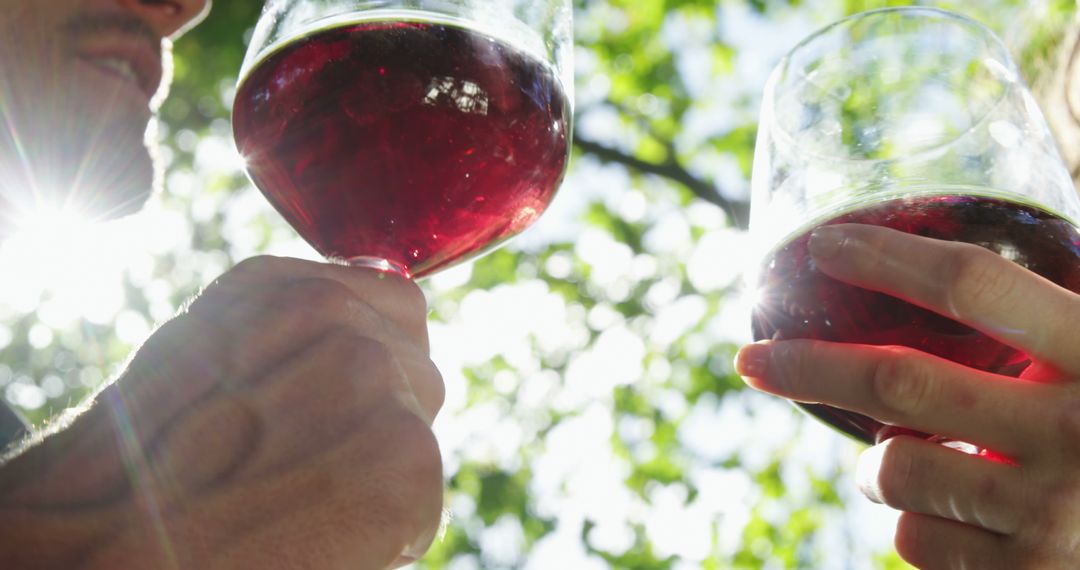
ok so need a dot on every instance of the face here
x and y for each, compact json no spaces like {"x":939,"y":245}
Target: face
{"x":78,"y":82}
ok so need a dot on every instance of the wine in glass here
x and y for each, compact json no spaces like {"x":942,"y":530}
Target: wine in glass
{"x":914,"y":119}
{"x":407,"y":135}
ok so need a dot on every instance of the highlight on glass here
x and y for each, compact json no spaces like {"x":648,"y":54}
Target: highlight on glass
{"x":407,"y":136}
{"x":914,"y":119}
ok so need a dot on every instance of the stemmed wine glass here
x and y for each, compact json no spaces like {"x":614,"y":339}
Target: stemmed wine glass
{"x":914,"y":119}
{"x":407,"y":135}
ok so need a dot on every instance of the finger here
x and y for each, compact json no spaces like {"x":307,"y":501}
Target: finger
{"x":377,"y":494}
{"x":330,"y":393}
{"x":315,"y":404}
{"x":904,"y":387}
{"x":966,"y":282}
{"x":351,"y":479}
{"x":346,"y":401}
{"x":915,"y":475}
{"x":347,"y":509}
{"x":273,"y":324}
{"x":931,"y":543}
{"x":398,"y":299}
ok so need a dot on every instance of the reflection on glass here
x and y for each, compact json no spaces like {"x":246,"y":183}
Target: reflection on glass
{"x":914,"y":119}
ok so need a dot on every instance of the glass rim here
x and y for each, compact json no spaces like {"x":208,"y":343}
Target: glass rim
{"x":789,"y":140}
{"x":383,"y":14}
{"x":519,"y":35}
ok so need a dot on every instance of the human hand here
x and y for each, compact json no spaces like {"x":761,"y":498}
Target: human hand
{"x":283,"y":421}
{"x":960,"y":510}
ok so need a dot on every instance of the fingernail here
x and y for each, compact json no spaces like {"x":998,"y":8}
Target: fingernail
{"x":826,"y":242}
{"x":411,"y":554}
{"x":753,"y":360}
{"x":419,"y":547}
{"x":402,"y":561}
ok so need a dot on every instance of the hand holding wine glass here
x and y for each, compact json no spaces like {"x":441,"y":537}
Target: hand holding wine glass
{"x":917,"y":120}
{"x":402,"y":136}
{"x":961,"y":510}
{"x":928,"y":297}
{"x":283,"y":421}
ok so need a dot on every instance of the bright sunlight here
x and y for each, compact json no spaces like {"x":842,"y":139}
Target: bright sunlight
{"x":73,"y":268}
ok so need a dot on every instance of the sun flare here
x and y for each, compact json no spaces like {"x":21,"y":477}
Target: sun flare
{"x":48,"y":226}
{"x":66,"y":266}
{"x":59,"y":257}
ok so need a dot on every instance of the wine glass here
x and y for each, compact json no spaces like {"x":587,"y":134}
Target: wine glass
{"x":407,"y":135}
{"x":914,"y":119}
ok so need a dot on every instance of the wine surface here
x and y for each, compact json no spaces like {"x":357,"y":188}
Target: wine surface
{"x":798,"y":301}
{"x":422,"y":144}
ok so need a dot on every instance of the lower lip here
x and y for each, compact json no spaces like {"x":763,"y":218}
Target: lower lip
{"x":129,"y":87}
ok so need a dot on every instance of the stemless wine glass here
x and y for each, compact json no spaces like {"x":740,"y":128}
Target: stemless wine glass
{"x":914,"y":119}
{"x":407,"y":135}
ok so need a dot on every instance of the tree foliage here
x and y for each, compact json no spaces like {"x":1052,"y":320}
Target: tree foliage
{"x":593,"y":418}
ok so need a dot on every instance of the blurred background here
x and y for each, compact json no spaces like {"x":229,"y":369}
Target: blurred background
{"x":592,"y":420}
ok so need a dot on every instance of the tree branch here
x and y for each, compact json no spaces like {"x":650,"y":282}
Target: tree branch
{"x":738,"y":212}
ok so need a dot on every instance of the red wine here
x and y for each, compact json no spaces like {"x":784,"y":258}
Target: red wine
{"x":801,"y":302}
{"x":421,"y":144}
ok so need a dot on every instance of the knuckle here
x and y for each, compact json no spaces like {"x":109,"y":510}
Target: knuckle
{"x":1068,"y":425}
{"x":401,"y":467}
{"x":169,"y":333}
{"x":1066,"y":496}
{"x":975,"y":278}
{"x":365,"y":317}
{"x":908,"y":539}
{"x":789,"y":359}
{"x":414,"y":481}
{"x":388,"y":376}
{"x":315,"y":297}
{"x":1046,"y":528}
{"x":176,"y":349}
{"x":209,"y":303}
{"x":366,"y":360}
{"x":357,"y":352}
{"x":902,"y":387}
{"x":257,"y":266}
{"x":321,"y":300}
{"x":408,"y":293}
{"x":418,"y":470}
{"x":1020,"y":504}
{"x":873,"y":255}
{"x":222,"y":293}
{"x":988,"y":491}
{"x":899,"y":469}
{"x":435,"y":387}
{"x":422,"y":454}
{"x":411,"y":302}
{"x":1056,"y":519}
